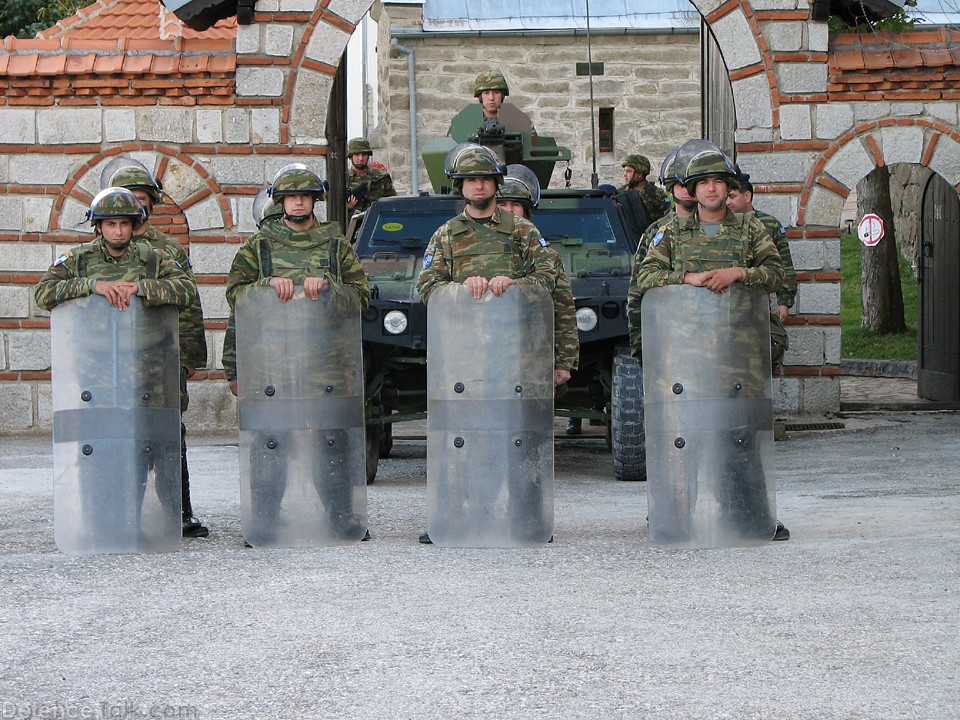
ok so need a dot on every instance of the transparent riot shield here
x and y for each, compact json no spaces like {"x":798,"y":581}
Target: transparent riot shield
{"x":490,"y":418}
{"x":116,"y":427}
{"x":300,"y":390}
{"x":708,"y":416}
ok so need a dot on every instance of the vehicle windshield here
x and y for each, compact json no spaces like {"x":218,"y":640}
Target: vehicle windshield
{"x":586,"y":225}
{"x":409,"y":231}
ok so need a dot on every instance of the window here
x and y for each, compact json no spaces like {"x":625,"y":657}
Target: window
{"x":606,"y":129}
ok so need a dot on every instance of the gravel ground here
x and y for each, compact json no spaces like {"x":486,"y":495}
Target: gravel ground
{"x":856,"y":616}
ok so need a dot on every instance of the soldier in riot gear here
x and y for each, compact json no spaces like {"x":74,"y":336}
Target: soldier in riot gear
{"x":712,"y":247}
{"x":366,"y":183}
{"x":130,"y":174}
{"x":485,"y":247}
{"x":295,"y":251}
{"x":120,"y":270}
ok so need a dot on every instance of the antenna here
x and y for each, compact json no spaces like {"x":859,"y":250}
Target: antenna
{"x":594,"y":179}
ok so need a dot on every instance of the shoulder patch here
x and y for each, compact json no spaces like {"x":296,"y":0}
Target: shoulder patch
{"x":657,"y":238}
{"x":63,"y":258}
{"x":427,"y":259}
{"x":544,"y":243}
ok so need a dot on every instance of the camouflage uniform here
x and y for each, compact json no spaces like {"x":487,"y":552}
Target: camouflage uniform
{"x":378,"y":185}
{"x":788,"y":293}
{"x":681,"y":246}
{"x":506,"y":245}
{"x":277,"y":251}
{"x":75,"y":273}
{"x":633,"y":303}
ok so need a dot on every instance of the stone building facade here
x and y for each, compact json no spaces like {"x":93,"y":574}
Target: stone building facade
{"x":216,"y":119}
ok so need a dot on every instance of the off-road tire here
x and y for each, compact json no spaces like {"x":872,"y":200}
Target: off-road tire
{"x":386,"y":440}
{"x":374,"y":434}
{"x":626,"y":419}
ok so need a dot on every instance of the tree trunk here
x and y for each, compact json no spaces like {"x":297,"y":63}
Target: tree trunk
{"x":881,"y":294}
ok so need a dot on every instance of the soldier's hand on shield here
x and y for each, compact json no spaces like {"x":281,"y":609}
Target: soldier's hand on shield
{"x":313,"y":286}
{"x":476,"y":285}
{"x":283,"y":287}
{"x":560,"y":376}
{"x":719,"y":280}
{"x":499,"y":284}
{"x":783,"y":311}
{"x":117,"y":292}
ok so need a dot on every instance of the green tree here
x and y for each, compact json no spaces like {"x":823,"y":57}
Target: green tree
{"x":25,"y":18}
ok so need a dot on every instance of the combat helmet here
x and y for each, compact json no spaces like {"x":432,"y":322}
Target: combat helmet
{"x":297,"y":179}
{"x":359,"y":145}
{"x":520,"y":183}
{"x":700,"y":159}
{"x":131,"y":174}
{"x":116,"y":202}
{"x":668,"y":170}
{"x":265,"y":208}
{"x":490,"y":80}
{"x":473,"y":160}
{"x":638,"y":162}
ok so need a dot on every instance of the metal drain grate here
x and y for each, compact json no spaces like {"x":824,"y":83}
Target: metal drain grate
{"x":799,"y":427}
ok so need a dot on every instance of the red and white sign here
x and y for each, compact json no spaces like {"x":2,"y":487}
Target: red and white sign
{"x":870,"y":229}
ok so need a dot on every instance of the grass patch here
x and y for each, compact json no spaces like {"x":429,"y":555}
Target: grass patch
{"x":857,"y":341}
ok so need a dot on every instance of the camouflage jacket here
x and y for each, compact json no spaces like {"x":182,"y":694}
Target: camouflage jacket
{"x":193,"y":341}
{"x":788,"y":293}
{"x":277,"y":251}
{"x":655,"y":200}
{"x":633,"y":301}
{"x":566,"y":337}
{"x":680,"y":246}
{"x":506,"y":245}
{"x":75,"y":274}
{"x":371,"y":186}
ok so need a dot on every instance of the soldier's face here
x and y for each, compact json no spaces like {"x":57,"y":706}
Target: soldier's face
{"x":117,"y":233}
{"x":684,"y":199}
{"x":491,"y":101}
{"x":298,"y":204}
{"x":513,"y":206}
{"x":711,"y":193}
{"x":360,"y":160}
{"x":738,"y":202}
{"x":479,"y":191}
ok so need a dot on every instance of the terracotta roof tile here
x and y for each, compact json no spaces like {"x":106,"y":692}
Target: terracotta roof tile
{"x":4,"y":59}
{"x":80,"y":64}
{"x":848,"y":59}
{"x":936,"y":57}
{"x":193,"y":63}
{"x":137,"y":64}
{"x":222,"y":63}
{"x":51,"y":64}
{"x":22,"y":64}
{"x":165,"y":64}
{"x":108,"y":64}
{"x":906,"y":57}
{"x":877,"y":59}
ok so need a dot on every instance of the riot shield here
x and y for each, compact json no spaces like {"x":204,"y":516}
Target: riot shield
{"x":490,"y":417}
{"x":300,"y":389}
{"x":116,"y":427}
{"x":708,"y":416}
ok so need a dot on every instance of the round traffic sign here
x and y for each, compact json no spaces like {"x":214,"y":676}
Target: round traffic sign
{"x":870,"y":229}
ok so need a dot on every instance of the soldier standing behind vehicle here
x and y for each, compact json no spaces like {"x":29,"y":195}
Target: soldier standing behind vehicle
{"x":491,"y":116}
{"x":365,"y":183}
{"x":741,"y":201}
{"x":635,"y":170}
{"x":712,"y":247}
{"x":135,"y":177}
{"x":519,"y":193}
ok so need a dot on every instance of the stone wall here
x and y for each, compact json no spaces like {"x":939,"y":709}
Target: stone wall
{"x":805,"y":132}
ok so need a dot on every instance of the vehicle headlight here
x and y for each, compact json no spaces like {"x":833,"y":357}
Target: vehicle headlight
{"x":586,"y":319}
{"x":395,"y":322}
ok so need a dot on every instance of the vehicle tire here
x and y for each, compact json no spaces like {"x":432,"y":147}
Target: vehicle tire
{"x":374,"y":434}
{"x":626,"y":419}
{"x":386,"y":440}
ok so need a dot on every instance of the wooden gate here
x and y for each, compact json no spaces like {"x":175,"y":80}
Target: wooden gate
{"x":938,"y":376}
{"x":717,"y":111}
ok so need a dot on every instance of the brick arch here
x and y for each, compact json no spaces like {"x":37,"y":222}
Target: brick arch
{"x":866,"y":146}
{"x":188,"y":187}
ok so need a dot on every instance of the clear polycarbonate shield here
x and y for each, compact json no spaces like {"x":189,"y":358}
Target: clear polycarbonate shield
{"x":708,"y":416}
{"x":300,"y":390}
{"x":116,"y":427}
{"x":692,"y":149}
{"x":490,"y":417}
